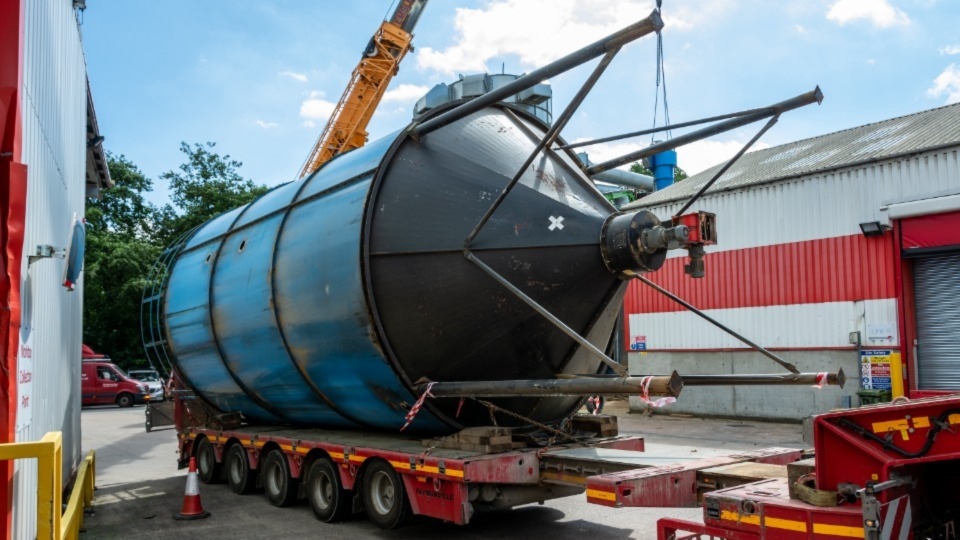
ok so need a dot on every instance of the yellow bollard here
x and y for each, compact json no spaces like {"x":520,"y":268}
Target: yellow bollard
{"x":896,"y":374}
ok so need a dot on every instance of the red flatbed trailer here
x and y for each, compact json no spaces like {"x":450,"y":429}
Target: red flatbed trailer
{"x":393,"y":475}
{"x":883,"y":471}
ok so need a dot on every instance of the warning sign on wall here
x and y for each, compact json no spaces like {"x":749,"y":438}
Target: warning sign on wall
{"x":875,"y":368}
{"x":638,"y":343}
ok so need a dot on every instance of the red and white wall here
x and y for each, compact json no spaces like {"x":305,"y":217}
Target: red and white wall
{"x":793,"y":272}
{"x":43,"y":118}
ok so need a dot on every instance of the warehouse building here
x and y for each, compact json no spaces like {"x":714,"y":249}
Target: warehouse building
{"x":51,"y":159}
{"x":840,"y":251}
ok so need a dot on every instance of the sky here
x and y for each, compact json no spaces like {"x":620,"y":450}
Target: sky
{"x":260,"y":77}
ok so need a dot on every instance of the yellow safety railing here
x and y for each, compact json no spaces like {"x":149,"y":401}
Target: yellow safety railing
{"x":48,"y":452}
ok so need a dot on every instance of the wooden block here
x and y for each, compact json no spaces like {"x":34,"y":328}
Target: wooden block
{"x":489,"y":431}
{"x":601,"y":425}
{"x":467,"y":447}
{"x":487,"y":440}
{"x":482,"y":439}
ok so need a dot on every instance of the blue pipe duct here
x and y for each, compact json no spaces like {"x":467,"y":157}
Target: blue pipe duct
{"x":663,"y":165}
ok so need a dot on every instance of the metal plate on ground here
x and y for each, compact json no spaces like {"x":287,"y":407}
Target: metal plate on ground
{"x":614,"y":456}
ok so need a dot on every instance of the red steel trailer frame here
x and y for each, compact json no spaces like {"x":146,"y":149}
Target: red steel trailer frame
{"x":888,"y":468}
{"x":893,"y":470}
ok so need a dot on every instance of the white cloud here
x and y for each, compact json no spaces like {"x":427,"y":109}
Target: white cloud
{"x":692,"y":158}
{"x":947,"y":83}
{"x":405,"y":93}
{"x":267,"y":125}
{"x":302,"y":77}
{"x":316,"y":108}
{"x":950,"y":49}
{"x":799,"y":29}
{"x":878,"y":12}
{"x":539,"y":31}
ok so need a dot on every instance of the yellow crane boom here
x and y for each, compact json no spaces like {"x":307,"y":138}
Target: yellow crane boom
{"x":347,"y":127}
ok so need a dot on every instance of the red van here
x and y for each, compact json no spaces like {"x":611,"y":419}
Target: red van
{"x":103,"y":383}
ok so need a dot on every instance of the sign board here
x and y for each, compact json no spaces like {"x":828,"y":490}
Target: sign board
{"x":875,"y":368}
{"x":25,"y":402}
{"x":638,"y":343}
{"x":882,"y":332}
{"x":24,"y":372}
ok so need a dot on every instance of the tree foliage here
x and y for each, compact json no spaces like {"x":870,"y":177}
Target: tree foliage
{"x":126,"y":234}
{"x":204,"y":186}
{"x":119,"y":254}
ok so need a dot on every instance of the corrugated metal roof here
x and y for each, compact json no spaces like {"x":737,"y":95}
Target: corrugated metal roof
{"x":905,"y":135}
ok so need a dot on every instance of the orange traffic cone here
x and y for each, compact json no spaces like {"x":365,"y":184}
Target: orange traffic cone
{"x":192,"y":509}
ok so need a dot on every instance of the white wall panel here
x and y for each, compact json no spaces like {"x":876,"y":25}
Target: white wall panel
{"x":53,"y":101}
{"x":821,"y":206}
{"x":824,"y":325}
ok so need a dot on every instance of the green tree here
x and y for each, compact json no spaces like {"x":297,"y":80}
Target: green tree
{"x":678,"y":173}
{"x":119,"y":254}
{"x":205,"y":185}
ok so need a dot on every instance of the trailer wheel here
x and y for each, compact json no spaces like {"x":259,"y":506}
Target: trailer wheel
{"x":241,"y":478}
{"x":384,"y":496}
{"x":125,"y":400}
{"x":329,"y":501}
{"x":280,"y":488}
{"x":208,"y":470}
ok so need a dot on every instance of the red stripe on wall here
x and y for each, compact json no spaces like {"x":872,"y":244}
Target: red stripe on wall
{"x":841,"y":269}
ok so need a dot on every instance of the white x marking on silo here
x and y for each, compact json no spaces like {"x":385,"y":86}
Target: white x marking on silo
{"x":556,"y":223}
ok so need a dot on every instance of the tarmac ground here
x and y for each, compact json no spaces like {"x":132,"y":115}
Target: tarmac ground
{"x":139,"y":488}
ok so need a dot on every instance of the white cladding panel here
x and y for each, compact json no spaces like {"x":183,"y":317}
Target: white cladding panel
{"x":53,"y":103}
{"x":823,"y":205}
{"x":814,"y":326}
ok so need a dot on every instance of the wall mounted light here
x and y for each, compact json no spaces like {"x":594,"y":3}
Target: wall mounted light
{"x":872,"y":228}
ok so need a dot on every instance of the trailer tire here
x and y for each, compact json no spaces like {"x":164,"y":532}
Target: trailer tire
{"x":241,"y":478}
{"x":328,"y":500}
{"x":384,"y":495}
{"x":125,"y":400}
{"x":208,"y":470}
{"x":278,"y":485}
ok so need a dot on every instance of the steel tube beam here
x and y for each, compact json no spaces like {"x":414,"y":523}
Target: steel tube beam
{"x":660,"y":385}
{"x":803,"y":99}
{"x":787,"y":365}
{"x":726,"y":166}
{"x":547,"y":140}
{"x":653,"y":23}
{"x":661,"y":129}
{"x":774,"y":379}
{"x":609,"y":362}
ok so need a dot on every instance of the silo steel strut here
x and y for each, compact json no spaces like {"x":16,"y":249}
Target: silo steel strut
{"x":786,"y":365}
{"x":653,"y":23}
{"x":814,"y":96}
{"x":660,"y":385}
{"x":661,"y":129}
{"x":608,"y":47}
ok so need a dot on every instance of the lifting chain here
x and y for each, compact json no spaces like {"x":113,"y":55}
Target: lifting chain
{"x":661,"y":77}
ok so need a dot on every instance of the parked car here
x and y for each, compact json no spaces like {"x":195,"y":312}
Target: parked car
{"x":152,"y":379}
{"x":103,"y":383}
